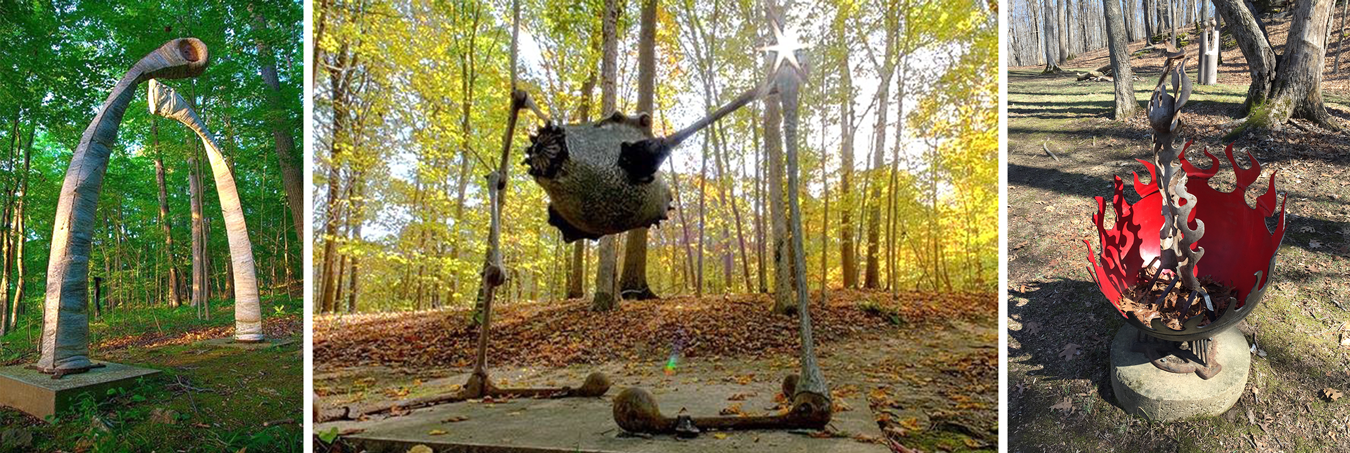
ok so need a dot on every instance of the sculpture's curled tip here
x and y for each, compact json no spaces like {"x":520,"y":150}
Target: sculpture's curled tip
{"x":177,"y":59}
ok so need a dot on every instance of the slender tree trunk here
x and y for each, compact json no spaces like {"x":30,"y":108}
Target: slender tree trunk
{"x":1126,"y":104}
{"x":576,"y":277}
{"x":175,"y":297}
{"x":848,"y":261}
{"x":1340,"y":40}
{"x":633,"y":283}
{"x":780,"y":247}
{"x":291,"y":179}
{"x":577,"y":272}
{"x":702,"y":217}
{"x":358,"y":213}
{"x":722,"y":164}
{"x":759,"y":214}
{"x":198,"y":245}
{"x":20,"y":235}
{"x":606,"y":287}
{"x":871,"y":276}
{"x":686,"y":242}
{"x":1062,"y":30}
{"x":338,"y":79}
{"x":7,"y":227}
{"x":902,"y":88}
{"x":1047,"y":11}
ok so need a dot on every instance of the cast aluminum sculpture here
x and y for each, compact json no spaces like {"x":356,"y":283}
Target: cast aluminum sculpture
{"x":65,"y":330}
{"x":1155,"y":234}
{"x":166,"y":102}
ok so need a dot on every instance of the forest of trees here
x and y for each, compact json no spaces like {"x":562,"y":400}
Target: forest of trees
{"x":899,"y":147}
{"x":1062,"y":29}
{"x":1281,"y":86}
{"x":159,"y":221}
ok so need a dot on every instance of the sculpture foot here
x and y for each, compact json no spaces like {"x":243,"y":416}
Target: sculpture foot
{"x":479,"y":386}
{"x":635,"y":410}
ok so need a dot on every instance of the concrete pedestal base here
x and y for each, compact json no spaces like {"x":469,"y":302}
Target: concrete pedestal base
{"x":1146,"y":391}
{"x":40,"y":395}
{"x":231,"y":343}
{"x":570,"y":425}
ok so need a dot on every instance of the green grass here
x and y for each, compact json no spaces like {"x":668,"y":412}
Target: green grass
{"x":206,"y":399}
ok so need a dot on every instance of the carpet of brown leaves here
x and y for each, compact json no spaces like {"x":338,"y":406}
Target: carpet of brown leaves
{"x":273,"y":327}
{"x":567,"y":332}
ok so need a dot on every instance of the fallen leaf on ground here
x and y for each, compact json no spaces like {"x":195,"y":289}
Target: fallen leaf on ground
{"x":1070,"y":351}
{"x":1331,"y":394}
{"x":455,"y":419}
{"x":1066,"y":405}
{"x":165,"y":416}
{"x":1032,"y":328}
{"x":719,"y":436}
{"x":734,"y":409}
{"x":437,"y":432}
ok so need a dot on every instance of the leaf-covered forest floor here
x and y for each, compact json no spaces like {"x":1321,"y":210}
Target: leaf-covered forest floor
{"x":928,"y":364}
{"x":206,"y":398}
{"x":1060,"y":325}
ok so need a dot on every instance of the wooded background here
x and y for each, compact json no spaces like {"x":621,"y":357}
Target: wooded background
{"x":898,"y":135}
{"x":60,"y":60}
{"x":1063,"y":29}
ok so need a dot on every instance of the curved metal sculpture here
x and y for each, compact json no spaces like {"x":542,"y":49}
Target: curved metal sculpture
{"x":65,"y":330}
{"x":1240,"y":248}
{"x":1242,"y":255}
{"x":166,"y":102}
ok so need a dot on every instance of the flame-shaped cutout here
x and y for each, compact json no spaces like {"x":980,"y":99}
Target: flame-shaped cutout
{"x":1240,"y":248}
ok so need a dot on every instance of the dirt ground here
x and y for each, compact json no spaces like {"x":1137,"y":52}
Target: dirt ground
{"x":931,"y":381}
{"x":1060,"y":325}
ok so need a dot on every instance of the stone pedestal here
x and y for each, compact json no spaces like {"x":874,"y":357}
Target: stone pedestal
{"x":40,"y":395}
{"x":1146,"y":391}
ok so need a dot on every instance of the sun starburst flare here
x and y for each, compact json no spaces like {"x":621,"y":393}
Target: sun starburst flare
{"x":786,"y":44}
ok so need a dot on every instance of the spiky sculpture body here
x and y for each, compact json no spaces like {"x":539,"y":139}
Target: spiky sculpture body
{"x":1176,"y":237}
{"x":592,"y":192}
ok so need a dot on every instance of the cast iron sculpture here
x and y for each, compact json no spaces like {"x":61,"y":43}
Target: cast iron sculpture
{"x":65,"y":330}
{"x":165,"y":102}
{"x":603,"y":178}
{"x":1240,"y":248}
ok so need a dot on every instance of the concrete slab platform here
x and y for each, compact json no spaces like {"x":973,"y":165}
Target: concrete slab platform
{"x":1145,"y":391}
{"x":587,"y":425}
{"x":230,"y":343}
{"x":40,"y":395}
